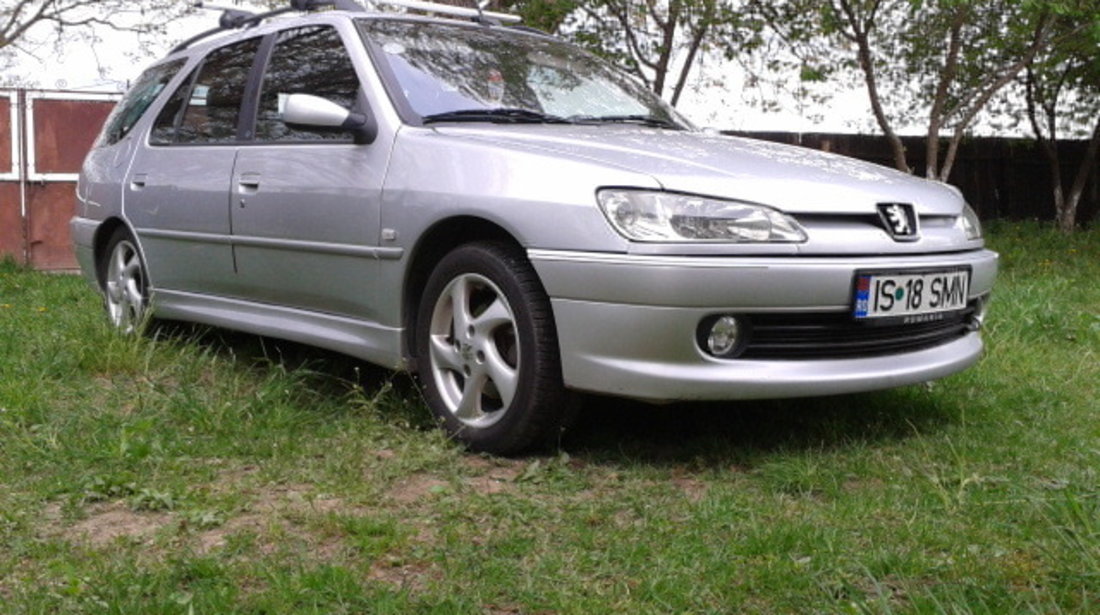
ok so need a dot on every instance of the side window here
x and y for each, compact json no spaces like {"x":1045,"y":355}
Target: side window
{"x":136,"y":102}
{"x":206,"y":108}
{"x":308,"y":60}
{"x":164,"y":129}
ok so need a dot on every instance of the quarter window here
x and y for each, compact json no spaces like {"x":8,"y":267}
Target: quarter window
{"x":207,"y":108}
{"x":137,"y":101}
{"x":309,"y":60}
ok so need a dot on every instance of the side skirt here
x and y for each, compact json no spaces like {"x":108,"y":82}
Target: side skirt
{"x":369,"y":341}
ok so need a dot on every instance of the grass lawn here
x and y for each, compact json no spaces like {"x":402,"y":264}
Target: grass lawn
{"x":201,"y":471}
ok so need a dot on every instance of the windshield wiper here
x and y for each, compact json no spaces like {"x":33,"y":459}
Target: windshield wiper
{"x":645,"y":120}
{"x":503,"y":115}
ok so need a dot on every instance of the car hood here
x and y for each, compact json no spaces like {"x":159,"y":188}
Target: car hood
{"x":791,"y":178}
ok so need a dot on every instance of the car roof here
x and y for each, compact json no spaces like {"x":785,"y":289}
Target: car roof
{"x":236,"y":25}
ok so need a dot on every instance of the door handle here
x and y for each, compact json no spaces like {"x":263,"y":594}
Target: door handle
{"x":249,"y":182}
{"x":138,"y":180}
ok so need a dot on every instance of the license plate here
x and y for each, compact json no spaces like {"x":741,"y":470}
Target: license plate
{"x":912,"y":296}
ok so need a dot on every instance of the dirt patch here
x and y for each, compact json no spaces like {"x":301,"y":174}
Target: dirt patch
{"x":417,"y":487}
{"x":217,"y":538}
{"x":284,"y":506}
{"x":232,"y":479}
{"x":411,"y":576}
{"x":494,"y":475}
{"x":271,"y":533}
{"x":52,"y":515}
{"x":496,"y":479}
{"x":299,"y":499}
{"x":108,"y":522}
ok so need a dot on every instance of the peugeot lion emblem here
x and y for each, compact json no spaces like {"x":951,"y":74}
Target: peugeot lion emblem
{"x":900,"y":220}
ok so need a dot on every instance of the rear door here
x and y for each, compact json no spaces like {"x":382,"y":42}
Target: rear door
{"x":177,"y":189}
{"x":305,"y":201}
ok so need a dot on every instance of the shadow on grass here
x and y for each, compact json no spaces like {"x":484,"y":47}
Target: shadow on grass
{"x":712,"y":434}
{"x":328,"y":373}
{"x":614,"y":430}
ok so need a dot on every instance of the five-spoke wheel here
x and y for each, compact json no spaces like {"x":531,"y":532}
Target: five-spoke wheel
{"x":474,"y":350}
{"x":124,"y":283}
{"x":487,"y":350}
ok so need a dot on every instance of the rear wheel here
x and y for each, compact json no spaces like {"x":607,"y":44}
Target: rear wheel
{"x":487,"y":351}
{"x":125,"y":283}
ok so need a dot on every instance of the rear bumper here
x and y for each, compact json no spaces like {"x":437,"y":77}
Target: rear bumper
{"x":83,"y":233}
{"x":627,"y":325}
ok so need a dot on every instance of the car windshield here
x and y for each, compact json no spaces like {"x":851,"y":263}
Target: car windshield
{"x":456,"y":73}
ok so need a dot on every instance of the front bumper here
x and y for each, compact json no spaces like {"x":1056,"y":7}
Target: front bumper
{"x":627,"y":324}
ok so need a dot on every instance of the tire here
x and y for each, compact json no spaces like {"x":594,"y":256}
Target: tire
{"x":125,"y":283}
{"x":487,"y":351}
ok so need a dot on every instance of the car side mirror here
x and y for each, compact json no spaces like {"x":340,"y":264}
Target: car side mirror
{"x":309,"y":110}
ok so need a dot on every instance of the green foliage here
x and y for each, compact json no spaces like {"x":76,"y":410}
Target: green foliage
{"x":938,"y":65}
{"x":658,"y":43}
{"x":546,"y":15}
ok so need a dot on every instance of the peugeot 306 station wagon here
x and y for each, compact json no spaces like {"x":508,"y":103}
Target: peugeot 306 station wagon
{"x":513,"y":220}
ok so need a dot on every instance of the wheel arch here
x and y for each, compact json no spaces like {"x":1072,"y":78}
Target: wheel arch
{"x":433,"y":245}
{"x":99,"y":244}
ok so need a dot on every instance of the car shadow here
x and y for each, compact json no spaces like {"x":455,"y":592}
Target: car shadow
{"x":740,"y":433}
{"x":612,"y":430}
{"x":329,"y":371}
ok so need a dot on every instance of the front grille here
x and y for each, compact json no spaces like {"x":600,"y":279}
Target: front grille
{"x":838,"y":335}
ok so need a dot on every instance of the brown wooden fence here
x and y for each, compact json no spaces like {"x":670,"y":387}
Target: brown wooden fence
{"x":1002,"y":178}
{"x":45,"y":134}
{"x":43,"y":138}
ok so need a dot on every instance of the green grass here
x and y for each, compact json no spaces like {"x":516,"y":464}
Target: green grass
{"x":201,"y":471}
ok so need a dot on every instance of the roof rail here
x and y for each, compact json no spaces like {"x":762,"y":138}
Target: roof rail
{"x":235,"y":19}
{"x":326,"y":5}
{"x":476,"y":14}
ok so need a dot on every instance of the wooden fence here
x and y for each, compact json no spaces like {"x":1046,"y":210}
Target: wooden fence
{"x":43,"y":138}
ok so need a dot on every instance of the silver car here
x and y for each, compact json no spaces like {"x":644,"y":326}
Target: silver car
{"x":516,"y":222}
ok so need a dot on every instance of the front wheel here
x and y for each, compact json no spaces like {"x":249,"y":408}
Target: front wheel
{"x":487,"y":352}
{"x":125,"y":284}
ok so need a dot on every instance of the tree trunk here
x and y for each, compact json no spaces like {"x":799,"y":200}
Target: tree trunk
{"x":668,"y":37}
{"x":981,"y":95}
{"x":860,"y":36}
{"x":939,"y":102}
{"x":696,"y":42}
{"x":1067,"y":213}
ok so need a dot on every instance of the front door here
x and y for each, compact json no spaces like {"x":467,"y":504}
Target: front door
{"x":305,"y":201}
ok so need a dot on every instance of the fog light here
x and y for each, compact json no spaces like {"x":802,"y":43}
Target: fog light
{"x":981,"y":308}
{"x":724,"y":336}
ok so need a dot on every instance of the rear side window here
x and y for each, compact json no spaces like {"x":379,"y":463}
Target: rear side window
{"x":305,"y":61}
{"x":137,"y":101}
{"x":206,"y":108}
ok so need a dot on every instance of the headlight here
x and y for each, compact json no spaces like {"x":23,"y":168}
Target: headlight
{"x":970,"y":223}
{"x":661,"y":216}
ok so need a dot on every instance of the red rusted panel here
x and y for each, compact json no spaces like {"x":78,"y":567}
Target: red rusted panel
{"x":50,"y":206}
{"x":5,"y":135}
{"x":11,"y":222}
{"x":64,"y":131}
